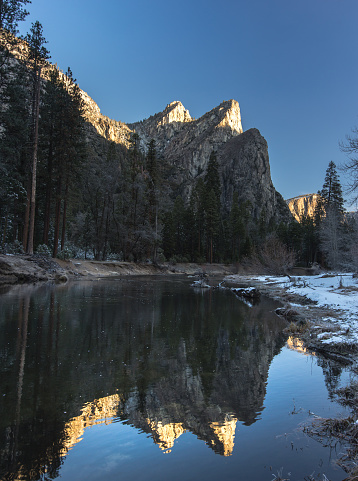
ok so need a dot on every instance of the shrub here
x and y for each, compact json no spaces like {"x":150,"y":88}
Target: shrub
{"x":273,"y":257}
{"x":43,"y":250}
{"x":13,"y":248}
{"x":65,"y":254}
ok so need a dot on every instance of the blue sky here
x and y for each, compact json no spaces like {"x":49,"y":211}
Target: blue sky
{"x":291,"y":65}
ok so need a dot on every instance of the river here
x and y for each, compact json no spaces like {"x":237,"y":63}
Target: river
{"x":148,"y":378}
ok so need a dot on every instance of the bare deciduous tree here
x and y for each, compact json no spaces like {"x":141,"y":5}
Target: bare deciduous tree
{"x":273,"y":257}
{"x":350,"y":147}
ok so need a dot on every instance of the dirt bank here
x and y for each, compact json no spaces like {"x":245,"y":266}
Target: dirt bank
{"x":15,"y":269}
{"x":326,"y":327}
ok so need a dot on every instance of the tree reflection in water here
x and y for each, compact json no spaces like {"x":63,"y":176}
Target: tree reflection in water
{"x":151,"y":353}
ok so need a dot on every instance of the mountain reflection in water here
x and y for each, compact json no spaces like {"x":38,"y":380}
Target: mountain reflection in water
{"x":151,"y":353}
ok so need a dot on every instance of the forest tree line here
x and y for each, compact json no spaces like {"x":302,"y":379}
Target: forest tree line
{"x":64,"y":196}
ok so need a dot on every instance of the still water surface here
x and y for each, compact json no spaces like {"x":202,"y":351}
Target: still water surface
{"x":148,"y":378}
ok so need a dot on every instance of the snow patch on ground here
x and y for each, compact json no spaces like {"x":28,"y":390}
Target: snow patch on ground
{"x":338,"y":293}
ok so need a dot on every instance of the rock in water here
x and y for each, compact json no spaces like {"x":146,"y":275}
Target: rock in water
{"x":247,"y":292}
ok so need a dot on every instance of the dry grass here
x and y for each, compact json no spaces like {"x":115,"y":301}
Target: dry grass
{"x":343,"y":431}
{"x":348,"y":395}
{"x":331,"y":432}
{"x":296,"y":328}
{"x":348,"y":289}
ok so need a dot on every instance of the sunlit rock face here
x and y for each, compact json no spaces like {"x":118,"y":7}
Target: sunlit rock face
{"x":105,"y":127}
{"x":184,"y":144}
{"x":303,"y":205}
{"x":174,"y":129}
{"x":178,"y":403}
{"x":188,"y":151}
{"x":97,"y":412}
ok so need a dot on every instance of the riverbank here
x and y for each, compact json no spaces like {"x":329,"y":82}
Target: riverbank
{"x":322,"y":312}
{"x":17,"y":269}
{"x":321,"y":309}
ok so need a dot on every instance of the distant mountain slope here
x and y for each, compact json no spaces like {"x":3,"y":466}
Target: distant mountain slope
{"x":186,"y":144}
{"x":303,"y":205}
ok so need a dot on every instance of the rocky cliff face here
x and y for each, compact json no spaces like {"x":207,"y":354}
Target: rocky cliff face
{"x":175,"y":130}
{"x":105,"y":127}
{"x":245,"y":167}
{"x":186,"y":144}
{"x":303,"y":205}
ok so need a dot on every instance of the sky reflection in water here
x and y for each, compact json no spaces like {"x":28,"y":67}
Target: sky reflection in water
{"x":149,"y":378}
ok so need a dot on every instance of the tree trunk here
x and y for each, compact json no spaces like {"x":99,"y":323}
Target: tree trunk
{"x":30,"y":247}
{"x":5,"y":230}
{"x":48,"y":197}
{"x":63,"y":234}
{"x":57,"y":218}
{"x":27,"y":219}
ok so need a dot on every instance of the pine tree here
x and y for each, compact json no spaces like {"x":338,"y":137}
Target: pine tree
{"x":236,"y":228}
{"x":331,"y":225}
{"x":212,"y":223}
{"x":179,"y":225}
{"x":14,"y":120}
{"x":212,"y":206}
{"x":11,"y":13}
{"x":331,"y":192}
{"x":136,"y":216}
{"x":152,"y":195}
{"x":152,"y":166}
{"x":197,"y":203}
{"x":62,"y":148}
{"x":37,"y":56}
{"x":212,"y":177}
{"x":13,"y":117}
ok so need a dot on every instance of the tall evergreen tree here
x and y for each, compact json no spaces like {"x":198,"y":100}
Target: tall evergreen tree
{"x":13,"y":116}
{"x":331,"y":192}
{"x":212,"y":206}
{"x":37,"y":57}
{"x":197,"y":203}
{"x":62,"y":149}
{"x":331,"y":225}
{"x":153,"y":184}
{"x":14,"y":120}
{"x":152,"y":165}
{"x":236,"y":229}
{"x":11,"y":13}
{"x":212,"y":177}
{"x":212,"y":223}
{"x":136,"y":214}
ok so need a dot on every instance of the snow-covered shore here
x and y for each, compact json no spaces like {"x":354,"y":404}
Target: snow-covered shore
{"x":328,"y":303}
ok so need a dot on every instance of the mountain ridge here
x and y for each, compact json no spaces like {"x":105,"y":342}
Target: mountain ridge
{"x":186,"y":145}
